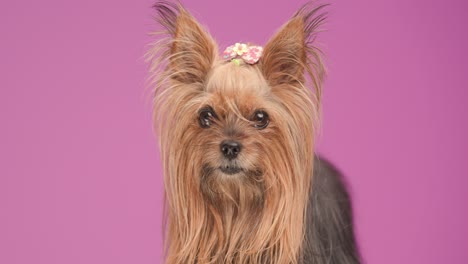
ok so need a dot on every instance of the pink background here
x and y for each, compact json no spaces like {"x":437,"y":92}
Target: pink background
{"x":80,"y":180}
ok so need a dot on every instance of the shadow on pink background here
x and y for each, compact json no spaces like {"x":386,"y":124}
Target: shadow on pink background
{"x":80,"y":180}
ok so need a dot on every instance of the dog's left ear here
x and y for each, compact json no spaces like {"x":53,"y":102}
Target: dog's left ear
{"x":191,"y":50}
{"x":289,"y":54}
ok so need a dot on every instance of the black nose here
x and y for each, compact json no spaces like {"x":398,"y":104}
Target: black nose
{"x":230,"y":148}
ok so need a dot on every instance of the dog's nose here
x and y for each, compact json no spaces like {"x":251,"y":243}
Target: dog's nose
{"x":230,"y":148}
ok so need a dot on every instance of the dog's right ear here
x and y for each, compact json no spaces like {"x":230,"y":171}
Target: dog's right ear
{"x":291,"y":54}
{"x":191,"y":50}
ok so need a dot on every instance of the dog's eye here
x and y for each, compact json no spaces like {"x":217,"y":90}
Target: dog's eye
{"x":206,"y":116}
{"x":260,"y":119}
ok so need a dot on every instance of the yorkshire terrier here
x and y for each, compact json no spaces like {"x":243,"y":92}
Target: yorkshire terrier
{"x":236,"y":131}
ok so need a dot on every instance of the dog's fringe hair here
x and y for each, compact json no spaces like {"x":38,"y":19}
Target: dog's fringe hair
{"x":314,"y":18}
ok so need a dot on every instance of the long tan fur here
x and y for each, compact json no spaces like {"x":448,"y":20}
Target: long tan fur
{"x":256,"y":216}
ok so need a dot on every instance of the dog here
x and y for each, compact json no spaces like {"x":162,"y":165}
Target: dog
{"x":236,"y":136}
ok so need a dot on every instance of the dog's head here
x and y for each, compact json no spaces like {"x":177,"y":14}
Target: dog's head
{"x":236,"y":139}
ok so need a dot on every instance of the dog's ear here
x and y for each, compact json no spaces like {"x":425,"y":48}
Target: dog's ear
{"x":191,"y":50}
{"x":289,"y":54}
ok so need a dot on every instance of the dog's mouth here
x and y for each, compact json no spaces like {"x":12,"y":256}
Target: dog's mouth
{"x":230,"y":169}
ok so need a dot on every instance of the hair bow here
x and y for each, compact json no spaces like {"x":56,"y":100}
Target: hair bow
{"x":249,"y":54}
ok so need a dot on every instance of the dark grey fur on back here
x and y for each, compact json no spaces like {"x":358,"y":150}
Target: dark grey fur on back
{"x":330,"y":236}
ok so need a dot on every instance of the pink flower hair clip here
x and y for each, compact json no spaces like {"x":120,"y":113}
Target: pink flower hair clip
{"x":249,"y":54}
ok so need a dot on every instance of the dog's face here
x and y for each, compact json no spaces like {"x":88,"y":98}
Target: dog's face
{"x":236,"y":139}
{"x":237,"y":131}
{"x":235,"y":121}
